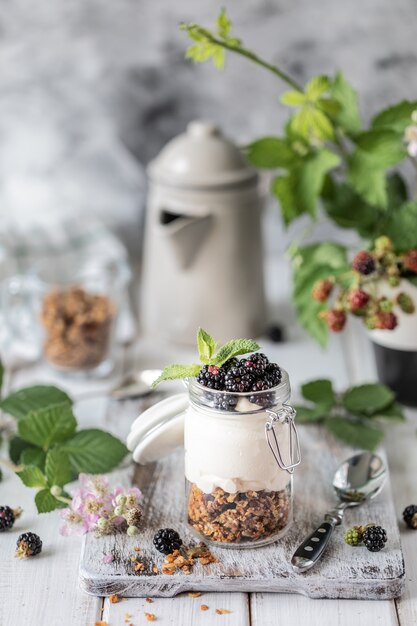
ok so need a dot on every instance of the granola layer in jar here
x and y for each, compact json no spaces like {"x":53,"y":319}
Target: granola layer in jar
{"x":237,"y":494}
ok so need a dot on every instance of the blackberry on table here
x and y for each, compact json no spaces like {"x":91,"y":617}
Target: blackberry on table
{"x":28,"y":544}
{"x":238,"y":380}
{"x":374,"y":538}
{"x":8,"y":517}
{"x":166,"y":540}
{"x":211,"y":376}
{"x":410,"y":516}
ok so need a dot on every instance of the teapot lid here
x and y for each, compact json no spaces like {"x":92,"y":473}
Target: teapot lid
{"x":201,"y":157}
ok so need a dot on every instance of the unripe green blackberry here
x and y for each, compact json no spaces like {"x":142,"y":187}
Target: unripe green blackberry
{"x":353,"y":536}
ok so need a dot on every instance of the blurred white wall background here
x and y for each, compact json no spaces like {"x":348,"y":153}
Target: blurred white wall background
{"x":90,"y":90}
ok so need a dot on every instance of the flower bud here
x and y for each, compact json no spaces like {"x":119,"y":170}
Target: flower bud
{"x":118,"y":510}
{"x":121,"y":499}
{"x":56,"y":490}
{"x":132,"y":531}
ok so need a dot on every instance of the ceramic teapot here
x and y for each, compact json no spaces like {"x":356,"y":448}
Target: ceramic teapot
{"x":203,"y":250}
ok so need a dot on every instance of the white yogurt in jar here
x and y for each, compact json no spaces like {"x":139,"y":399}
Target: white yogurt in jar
{"x":230,"y":450}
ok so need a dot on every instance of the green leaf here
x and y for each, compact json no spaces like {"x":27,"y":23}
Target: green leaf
{"x":310,"y":263}
{"x":58,"y":468}
{"x":293,"y":98}
{"x":32,"y":476}
{"x":396,"y":117}
{"x":46,"y":502}
{"x":33,"y":456}
{"x":46,"y":426}
{"x":393,"y":412}
{"x":348,"y":117}
{"x":316,"y":87}
{"x":24,"y":401}
{"x":16,"y":447}
{"x":94,"y":451}
{"x":349,"y":210}
{"x":397,"y":191}
{"x":368,"y":399}
{"x":330,"y":106}
{"x":312,"y":124}
{"x":356,"y":434}
{"x":299,"y":191}
{"x":319,"y":392}
{"x":176,"y":371}
{"x":223,"y":24}
{"x":233,"y":348}
{"x":270,"y":152}
{"x":400,"y":227}
{"x":1,"y":376}
{"x":307,"y":415}
{"x":384,"y":146}
{"x":206,"y":345}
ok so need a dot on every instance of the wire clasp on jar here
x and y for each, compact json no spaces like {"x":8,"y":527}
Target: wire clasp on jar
{"x":285,"y":415}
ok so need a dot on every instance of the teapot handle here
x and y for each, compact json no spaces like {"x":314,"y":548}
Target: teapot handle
{"x":156,"y":432}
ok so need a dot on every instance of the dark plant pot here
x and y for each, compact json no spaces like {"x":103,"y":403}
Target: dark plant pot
{"x":398,"y":370}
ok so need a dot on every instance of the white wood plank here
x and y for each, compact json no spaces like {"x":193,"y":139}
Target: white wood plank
{"x":181,"y":611}
{"x":292,"y":610}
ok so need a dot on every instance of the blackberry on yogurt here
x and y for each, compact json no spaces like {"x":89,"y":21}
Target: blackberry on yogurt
{"x":211,"y":376}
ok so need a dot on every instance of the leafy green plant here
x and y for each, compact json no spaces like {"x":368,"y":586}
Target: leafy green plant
{"x":207,"y":352}
{"x":326,"y":158}
{"x":48,"y":451}
{"x":354,"y":416}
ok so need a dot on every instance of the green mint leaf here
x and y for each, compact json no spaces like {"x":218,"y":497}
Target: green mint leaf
{"x":396,"y":117}
{"x":400,"y":227}
{"x":307,"y":415}
{"x":176,"y":371}
{"x":94,"y":451}
{"x":32,"y":476}
{"x":206,"y":346}
{"x":356,"y":434}
{"x":316,"y":87}
{"x":270,"y":152}
{"x":233,"y":348}
{"x":348,"y":117}
{"x":16,"y":447}
{"x":368,"y":399}
{"x":58,"y":468}
{"x":311,"y":263}
{"x":46,"y":502}
{"x":319,"y":392}
{"x":33,"y":456}
{"x":46,"y":426}
{"x":393,"y":412}
{"x":24,"y":401}
{"x":293,"y":98}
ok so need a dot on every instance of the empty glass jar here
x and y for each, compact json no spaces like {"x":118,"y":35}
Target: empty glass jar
{"x":240,"y":453}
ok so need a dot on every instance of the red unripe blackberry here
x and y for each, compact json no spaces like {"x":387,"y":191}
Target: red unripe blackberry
{"x":385,"y":321}
{"x":410,"y":261}
{"x":358,"y":299}
{"x":322,"y":290}
{"x":364,"y":263}
{"x":335,"y":320}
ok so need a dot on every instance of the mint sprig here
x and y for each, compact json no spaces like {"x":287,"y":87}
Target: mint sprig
{"x":48,"y":450}
{"x":352,"y":416}
{"x":207,"y":352}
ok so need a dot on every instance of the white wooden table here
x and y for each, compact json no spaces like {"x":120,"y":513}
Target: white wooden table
{"x":44,"y":591}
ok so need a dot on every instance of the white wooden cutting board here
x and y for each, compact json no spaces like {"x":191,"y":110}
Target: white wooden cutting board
{"x":343,"y":572}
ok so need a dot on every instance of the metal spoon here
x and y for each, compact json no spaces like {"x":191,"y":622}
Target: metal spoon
{"x":358,"y":479}
{"x":136,"y":385}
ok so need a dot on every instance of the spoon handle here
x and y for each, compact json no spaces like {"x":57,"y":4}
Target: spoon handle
{"x":309,"y":552}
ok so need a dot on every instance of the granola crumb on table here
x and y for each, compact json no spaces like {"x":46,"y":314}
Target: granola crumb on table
{"x":150,"y":617}
{"x":204,"y":607}
{"x":114,"y":598}
{"x":222,"y":611}
{"x":149,"y":600}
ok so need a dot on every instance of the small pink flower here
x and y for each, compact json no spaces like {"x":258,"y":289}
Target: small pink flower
{"x":108,"y":558}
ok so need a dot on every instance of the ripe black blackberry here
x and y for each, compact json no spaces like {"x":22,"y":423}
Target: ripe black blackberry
{"x":263,"y":400}
{"x":212,"y":377}
{"x":238,"y":380}
{"x":222,"y":401}
{"x":410,"y":516}
{"x":166,"y":540}
{"x":28,"y":544}
{"x":374,"y":538}
{"x":273,"y":374}
{"x":255,"y":363}
{"x":233,"y":362}
{"x":8,"y":517}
